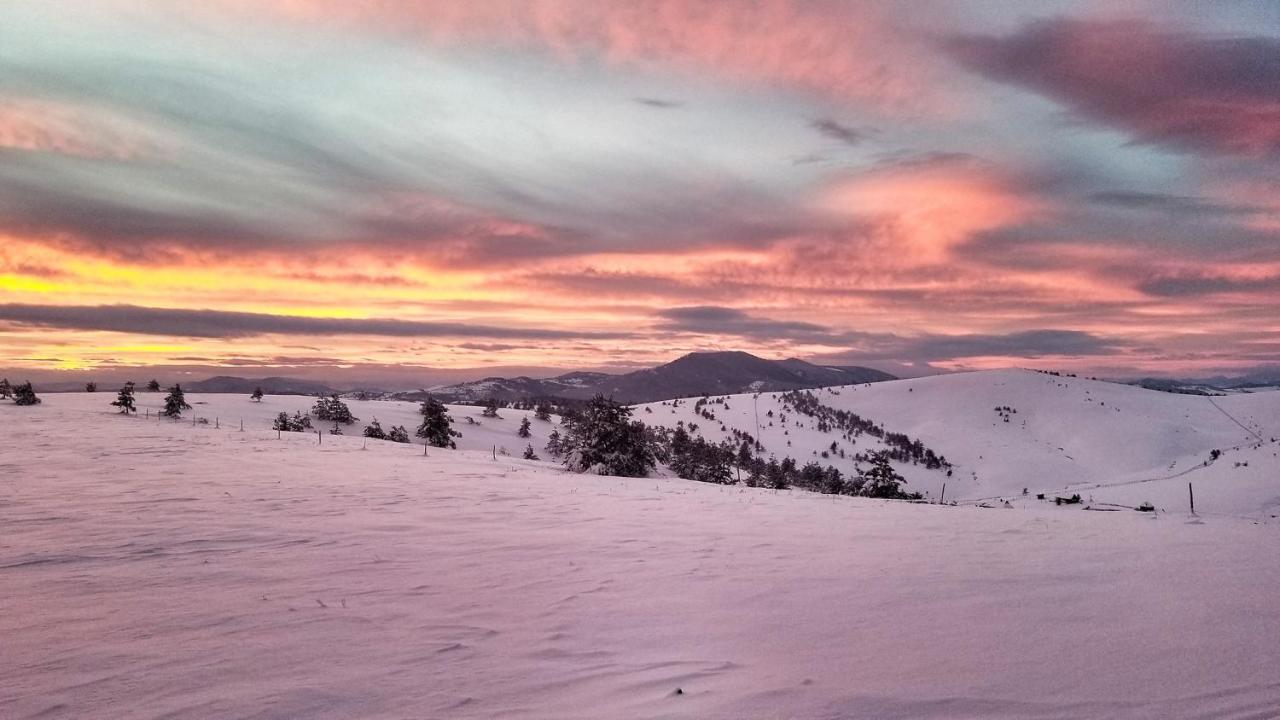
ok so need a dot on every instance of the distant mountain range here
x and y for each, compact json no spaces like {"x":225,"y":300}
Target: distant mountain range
{"x":694,"y":375}
{"x":270,"y":386}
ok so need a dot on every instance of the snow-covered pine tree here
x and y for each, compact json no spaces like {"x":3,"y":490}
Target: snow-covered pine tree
{"x":603,"y":439}
{"x":882,"y":480}
{"x":374,"y":430}
{"x":524,"y":428}
{"x":257,"y":395}
{"x":175,"y":402}
{"x":555,"y":445}
{"x":24,"y":394}
{"x":437,"y":426}
{"x":528,"y":452}
{"x":124,"y":399}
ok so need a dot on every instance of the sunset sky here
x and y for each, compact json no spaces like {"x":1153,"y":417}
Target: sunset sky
{"x":262,"y":186}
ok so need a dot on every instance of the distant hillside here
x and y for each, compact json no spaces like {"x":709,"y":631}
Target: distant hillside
{"x":270,"y":386}
{"x":695,"y":374}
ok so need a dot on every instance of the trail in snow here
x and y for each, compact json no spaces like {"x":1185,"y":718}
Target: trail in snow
{"x":1230,"y":417}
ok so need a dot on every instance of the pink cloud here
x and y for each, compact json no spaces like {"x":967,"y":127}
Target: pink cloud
{"x":843,"y":51}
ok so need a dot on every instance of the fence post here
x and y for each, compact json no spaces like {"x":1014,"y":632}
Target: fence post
{"x":319,"y":438}
{"x":943,"y":500}
{"x":1192,"y":495}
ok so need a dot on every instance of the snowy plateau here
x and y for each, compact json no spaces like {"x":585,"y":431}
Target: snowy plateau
{"x":159,"y":569}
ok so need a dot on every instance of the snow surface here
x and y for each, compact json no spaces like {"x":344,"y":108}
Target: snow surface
{"x":159,"y":569}
{"x":1109,"y":442}
{"x":228,"y":410}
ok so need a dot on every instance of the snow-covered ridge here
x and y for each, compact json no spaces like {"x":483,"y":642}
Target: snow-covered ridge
{"x":1058,"y":435}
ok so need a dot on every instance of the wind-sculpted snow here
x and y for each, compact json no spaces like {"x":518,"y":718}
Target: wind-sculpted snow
{"x":161,"y":569}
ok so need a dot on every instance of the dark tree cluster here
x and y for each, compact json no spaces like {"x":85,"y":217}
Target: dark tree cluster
{"x":602,"y":438}
{"x":697,"y":459}
{"x":490,"y":408}
{"x":397,"y":433}
{"x":331,"y":409}
{"x":22,"y":394}
{"x":295,"y":423}
{"x":542,"y":411}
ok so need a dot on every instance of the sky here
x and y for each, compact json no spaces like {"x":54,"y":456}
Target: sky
{"x":272,"y":186}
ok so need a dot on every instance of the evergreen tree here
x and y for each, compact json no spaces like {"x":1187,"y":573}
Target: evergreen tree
{"x":331,"y":409}
{"x":175,"y":403}
{"x":24,"y":394}
{"x":882,"y":480}
{"x":524,"y":428}
{"x":397,"y":433}
{"x":681,"y":444}
{"x":437,"y":426}
{"x":91,"y":387}
{"x":257,"y":395}
{"x":374,"y":430}
{"x":124,"y":400}
{"x":603,"y":439}
{"x":282,"y":423}
{"x":528,"y":452}
{"x":6,"y":390}
{"x":153,"y":386}
{"x":490,"y":408}
{"x":542,"y":411}
{"x":555,"y":446}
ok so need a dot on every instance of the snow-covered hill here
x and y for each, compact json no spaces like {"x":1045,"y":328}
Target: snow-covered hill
{"x":478,"y":432}
{"x":1063,"y":435}
{"x":158,"y":569}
